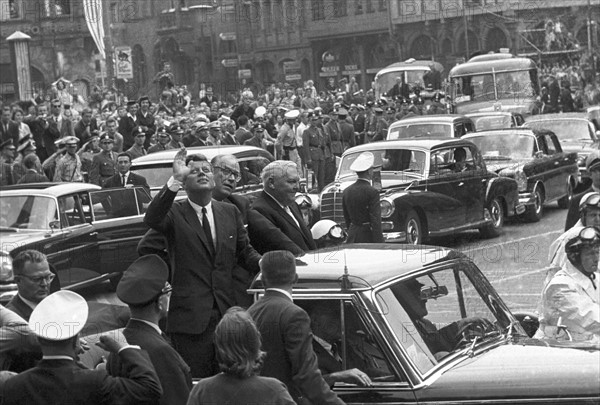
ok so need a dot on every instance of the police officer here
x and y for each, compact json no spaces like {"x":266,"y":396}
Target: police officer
{"x":328,"y":233}
{"x":163,"y":139}
{"x":258,"y":136}
{"x":139,"y":139}
{"x":360,"y":203}
{"x":144,"y":287}
{"x":381,"y":126}
{"x":313,"y":142}
{"x":570,"y":308}
{"x":286,"y":144}
{"x":104,"y":163}
{"x":176,"y":132}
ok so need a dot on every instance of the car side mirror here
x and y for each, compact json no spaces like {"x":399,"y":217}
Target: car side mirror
{"x":436,"y":292}
{"x":539,"y":154}
{"x":54,"y":224}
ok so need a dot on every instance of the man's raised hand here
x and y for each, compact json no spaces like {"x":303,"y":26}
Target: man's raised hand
{"x":180,"y":169}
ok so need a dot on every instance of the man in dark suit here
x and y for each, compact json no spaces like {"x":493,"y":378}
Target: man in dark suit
{"x":206,"y":239}
{"x":58,"y":379}
{"x":145,"y":289}
{"x":8,"y":128}
{"x":33,"y":168}
{"x":86,"y":126}
{"x":127,"y":123}
{"x":209,"y":98}
{"x":38,"y":126}
{"x":145,"y":119}
{"x":277,"y":204}
{"x":285,"y":331}
{"x":58,"y":127}
{"x":123,"y":204}
{"x":592,"y":165}
{"x":360,"y":203}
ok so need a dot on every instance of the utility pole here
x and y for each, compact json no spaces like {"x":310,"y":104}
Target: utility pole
{"x":468,"y":52}
{"x":589,"y":25}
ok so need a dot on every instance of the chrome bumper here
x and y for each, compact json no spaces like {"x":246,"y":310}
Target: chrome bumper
{"x":526,"y":199}
{"x":394,"y":237}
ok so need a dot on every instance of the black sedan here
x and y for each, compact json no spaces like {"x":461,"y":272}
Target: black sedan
{"x":428,"y":328}
{"x":535,"y":159}
{"x":424,"y":193}
{"x":89,"y":234}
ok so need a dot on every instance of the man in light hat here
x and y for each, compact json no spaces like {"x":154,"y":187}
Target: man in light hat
{"x":286,"y":145}
{"x":163,"y":138}
{"x":58,"y":379}
{"x":68,"y":167}
{"x":144,"y":287}
{"x":214,"y":133}
{"x":360,"y":204}
{"x":592,"y":165}
{"x":104,"y":163}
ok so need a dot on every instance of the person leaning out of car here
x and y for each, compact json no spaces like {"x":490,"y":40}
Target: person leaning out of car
{"x":570,"y":307}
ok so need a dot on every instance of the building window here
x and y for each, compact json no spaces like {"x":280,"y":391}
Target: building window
{"x":54,"y":8}
{"x":113,"y":11}
{"x":11,"y":10}
{"x":382,"y":5}
{"x":370,"y":8}
{"x":358,"y":7}
{"x":340,"y":8}
{"x":318,"y":10}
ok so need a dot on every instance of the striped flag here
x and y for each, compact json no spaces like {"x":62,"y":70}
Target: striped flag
{"x":95,"y":23}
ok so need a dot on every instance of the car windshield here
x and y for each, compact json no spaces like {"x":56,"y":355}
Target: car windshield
{"x":443,"y":312}
{"x":481,"y":87}
{"x":409,"y":162}
{"x":425,"y":78}
{"x":421,"y":131}
{"x":27,"y":212}
{"x":492,"y":122}
{"x":568,"y":131}
{"x":504,"y":146}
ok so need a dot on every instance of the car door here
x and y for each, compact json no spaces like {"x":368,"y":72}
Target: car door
{"x":558,"y":168}
{"x":345,"y":338}
{"x":74,"y":255}
{"x":444,"y":208}
{"x":472,"y":185}
{"x":118,"y":219}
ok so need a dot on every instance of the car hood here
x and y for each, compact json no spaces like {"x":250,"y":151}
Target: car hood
{"x":12,"y":240}
{"x":386,"y":184}
{"x":525,"y":370}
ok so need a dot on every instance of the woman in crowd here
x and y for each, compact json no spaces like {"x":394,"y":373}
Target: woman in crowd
{"x":237,"y":343}
{"x":17,"y":116}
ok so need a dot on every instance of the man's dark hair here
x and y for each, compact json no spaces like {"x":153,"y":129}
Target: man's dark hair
{"x":198,"y":157}
{"x":30,"y":160}
{"x":278,"y":268}
{"x":124,"y":154}
{"x":110,"y":120}
{"x":242,"y":120}
{"x":27,"y":256}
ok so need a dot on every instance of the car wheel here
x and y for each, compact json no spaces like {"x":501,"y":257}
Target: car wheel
{"x":534,"y":212}
{"x":496,"y":210}
{"x":413,"y":229}
{"x":566,"y":200}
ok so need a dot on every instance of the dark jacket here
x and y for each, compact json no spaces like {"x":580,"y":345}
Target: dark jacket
{"x":82,"y":134}
{"x":200,"y":279}
{"x":300,"y":236}
{"x":33,"y":177}
{"x":173,"y":372}
{"x":58,"y":382}
{"x":362,"y":213}
{"x":133,"y":179}
{"x":573,"y":212}
{"x":12,"y":133}
{"x":287,"y":338}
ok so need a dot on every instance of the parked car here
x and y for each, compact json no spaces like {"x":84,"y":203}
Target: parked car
{"x":495,"y":120}
{"x":535,"y":159}
{"x":432,"y":126}
{"x":429,"y":328}
{"x":421,"y":194}
{"x":89,"y":234}
{"x":576,"y":132}
{"x":158,"y":167}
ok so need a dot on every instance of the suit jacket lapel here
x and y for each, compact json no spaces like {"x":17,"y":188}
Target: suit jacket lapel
{"x":298,"y":215}
{"x":271,"y":201}
{"x":220,"y":220}
{"x":192,"y":218}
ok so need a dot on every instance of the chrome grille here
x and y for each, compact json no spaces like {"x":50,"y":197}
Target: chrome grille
{"x":331,"y":206}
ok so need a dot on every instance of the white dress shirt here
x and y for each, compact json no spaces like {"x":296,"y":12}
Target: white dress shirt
{"x":210,"y":216}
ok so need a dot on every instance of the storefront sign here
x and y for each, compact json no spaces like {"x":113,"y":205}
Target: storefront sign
{"x":292,"y":71}
{"x":228,"y":36}
{"x":244,"y":74}
{"x":327,"y":74}
{"x":124,"y":68}
{"x":331,"y":69}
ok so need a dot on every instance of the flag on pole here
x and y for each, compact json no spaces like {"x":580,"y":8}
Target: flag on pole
{"x":95,"y":23}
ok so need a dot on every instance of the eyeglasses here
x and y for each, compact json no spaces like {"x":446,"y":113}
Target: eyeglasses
{"x":38,"y":280}
{"x":55,"y":105}
{"x":227,"y":172}
{"x":206,"y":169}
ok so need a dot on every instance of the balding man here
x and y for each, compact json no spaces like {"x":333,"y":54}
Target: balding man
{"x":277,"y":204}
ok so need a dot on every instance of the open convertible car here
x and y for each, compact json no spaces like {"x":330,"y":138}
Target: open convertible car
{"x":427,"y":327}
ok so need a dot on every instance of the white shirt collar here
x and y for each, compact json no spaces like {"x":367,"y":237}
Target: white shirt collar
{"x":284,"y":292}
{"x":153,"y":325}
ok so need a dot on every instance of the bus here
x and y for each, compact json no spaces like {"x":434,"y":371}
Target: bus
{"x":424,"y":74}
{"x":496,"y":82}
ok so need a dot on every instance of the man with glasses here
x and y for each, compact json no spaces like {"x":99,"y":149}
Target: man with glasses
{"x":104,"y":163}
{"x":592,"y":165}
{"x":33,"y":278}
{"x":206,"y":239}
{"x":68,"y":167}
{"x":145,"y":289}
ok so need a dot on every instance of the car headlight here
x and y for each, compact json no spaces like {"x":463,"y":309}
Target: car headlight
{"x":387,"y":208}
{"x":521,"y":180}
{"x":6,"y":268}
{"x":581,"y":160}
